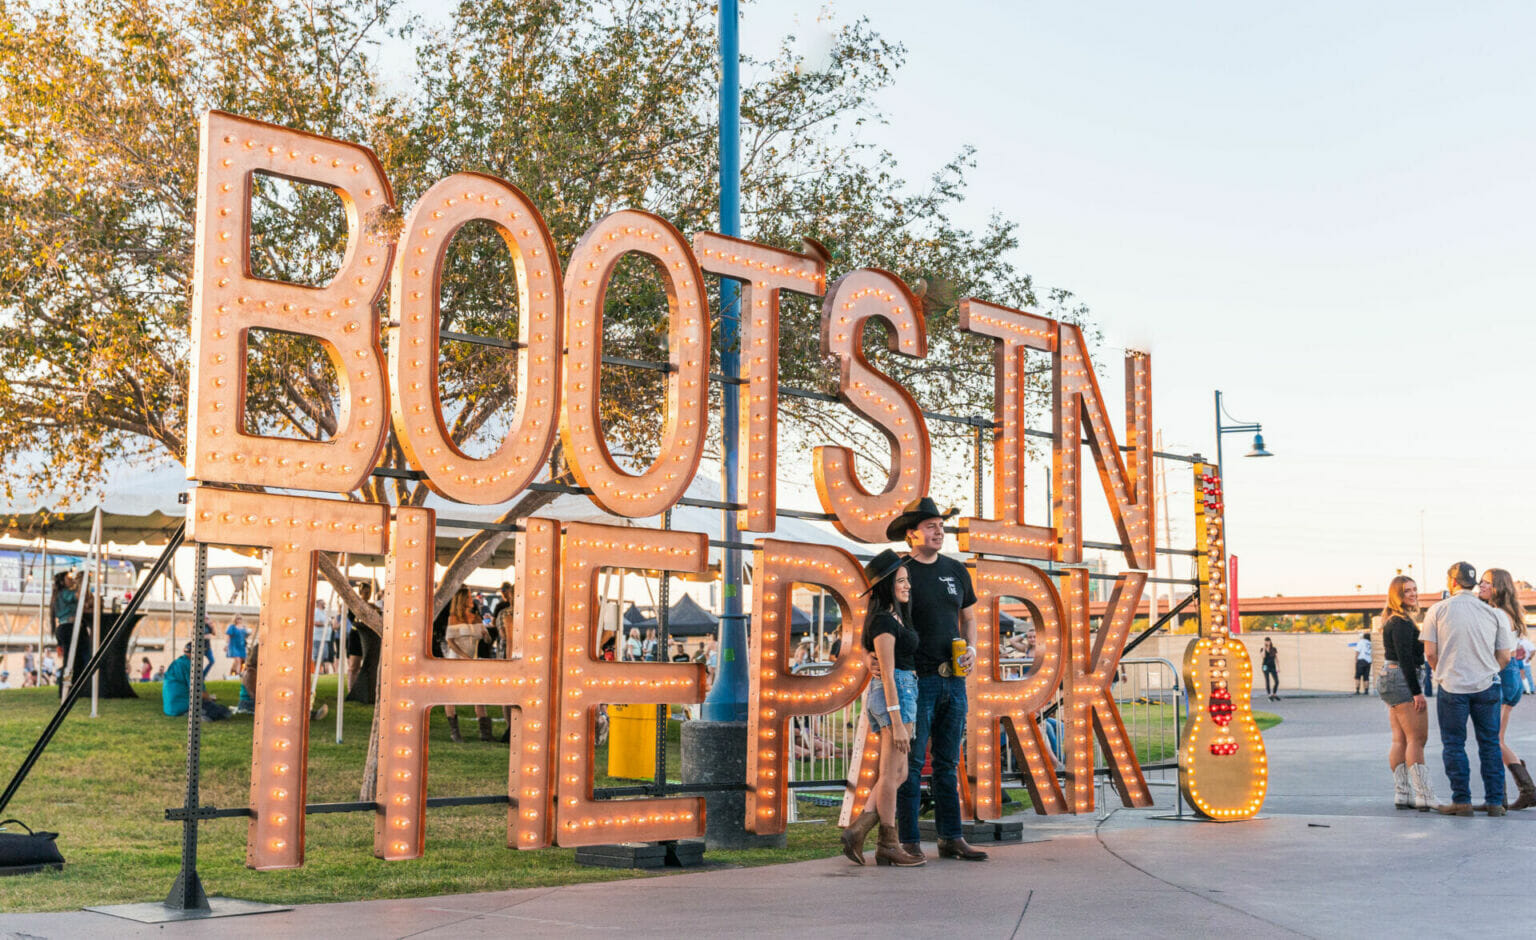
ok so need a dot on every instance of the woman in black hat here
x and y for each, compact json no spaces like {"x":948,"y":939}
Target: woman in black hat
{"x":891,"y":705}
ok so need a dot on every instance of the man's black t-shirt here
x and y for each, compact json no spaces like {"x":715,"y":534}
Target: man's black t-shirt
{"x":906,"y":638}
{"x":940,"y":590}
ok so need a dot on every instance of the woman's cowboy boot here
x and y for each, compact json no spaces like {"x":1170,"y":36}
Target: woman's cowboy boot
{"x":485,"y":729}
{"x":453,"y":730}
{"x":1418,"y":780}
{"x":1527,"y":796}
{"x":1403,"y":797}
{"x":890,"y":851}
{"x":856,"y":833}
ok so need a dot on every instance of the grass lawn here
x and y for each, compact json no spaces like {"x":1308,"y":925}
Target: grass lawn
{"x":105,"y":783}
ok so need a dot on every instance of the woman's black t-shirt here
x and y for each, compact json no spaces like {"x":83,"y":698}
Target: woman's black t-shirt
{"x":1271,"y":658}
{"x":906,"y":639}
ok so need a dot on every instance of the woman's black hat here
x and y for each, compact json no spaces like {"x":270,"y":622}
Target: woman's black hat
{"x":882,"y":566}
{"x":916,"y":511}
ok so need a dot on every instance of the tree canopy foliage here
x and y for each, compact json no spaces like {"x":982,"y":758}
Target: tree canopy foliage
{"x":586,"y":106}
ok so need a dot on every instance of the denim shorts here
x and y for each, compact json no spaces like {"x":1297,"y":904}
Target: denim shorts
{"x":906,"y":690}
{"x":1393,"y":687}
{"x":1509,"y":683}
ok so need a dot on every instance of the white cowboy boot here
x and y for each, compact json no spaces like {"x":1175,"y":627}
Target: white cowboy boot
{"x":1403,"y":797}
{"x":1418,"y":780}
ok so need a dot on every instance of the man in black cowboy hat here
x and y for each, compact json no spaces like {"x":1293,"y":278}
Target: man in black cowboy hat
{"x":942,"y":602}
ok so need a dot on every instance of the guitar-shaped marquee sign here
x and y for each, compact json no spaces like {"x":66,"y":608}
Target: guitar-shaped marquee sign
{"x":1223,"y":772}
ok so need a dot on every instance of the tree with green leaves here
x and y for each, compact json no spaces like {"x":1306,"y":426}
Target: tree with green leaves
{"x":586,"y":106}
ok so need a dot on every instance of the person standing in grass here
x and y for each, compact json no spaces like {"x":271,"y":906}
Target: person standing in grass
{"x":235,"y":646}
{"x":462,"y":641}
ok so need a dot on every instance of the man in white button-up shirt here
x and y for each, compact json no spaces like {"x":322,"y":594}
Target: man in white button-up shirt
{"x":1467,"y":642}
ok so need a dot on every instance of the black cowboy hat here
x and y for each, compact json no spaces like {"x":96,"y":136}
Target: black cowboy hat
{"x":916,"y":511}
{"x":882,"y":566}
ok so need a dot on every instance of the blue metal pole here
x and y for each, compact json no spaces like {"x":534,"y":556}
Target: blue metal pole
{"x":727,"y":699}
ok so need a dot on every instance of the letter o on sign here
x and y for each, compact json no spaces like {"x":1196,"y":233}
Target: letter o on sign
{"x":682,"y":443}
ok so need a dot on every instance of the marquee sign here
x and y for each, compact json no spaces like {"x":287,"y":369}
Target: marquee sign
{"x":555,"y":678}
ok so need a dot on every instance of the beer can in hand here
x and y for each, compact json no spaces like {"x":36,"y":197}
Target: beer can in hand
{"x":957,"y":648}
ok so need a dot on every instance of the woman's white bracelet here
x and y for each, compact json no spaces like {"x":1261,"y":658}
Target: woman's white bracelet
{"x":893,"y":708}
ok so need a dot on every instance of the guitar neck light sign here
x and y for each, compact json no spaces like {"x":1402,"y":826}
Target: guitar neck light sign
{"x":554,"y":678}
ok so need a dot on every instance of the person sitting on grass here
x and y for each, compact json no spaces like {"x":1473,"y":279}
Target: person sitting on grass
{"x":247,"y":705}
{"x":175,"y":694}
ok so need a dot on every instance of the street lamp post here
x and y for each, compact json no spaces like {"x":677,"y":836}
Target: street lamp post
{"x":714,"y":747}
{"x":1257,"y":430}
{"x":727,"y":699}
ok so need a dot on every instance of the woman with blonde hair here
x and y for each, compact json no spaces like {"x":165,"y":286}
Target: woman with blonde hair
{"x":1497,"y":589}
{"x":462,"y":641}
{"x":1399,"y":689}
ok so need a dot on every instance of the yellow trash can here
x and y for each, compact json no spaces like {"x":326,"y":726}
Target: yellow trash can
{"x":632,"y":741}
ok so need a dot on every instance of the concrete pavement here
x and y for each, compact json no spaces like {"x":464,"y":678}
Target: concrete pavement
{"x":1330,"y":857}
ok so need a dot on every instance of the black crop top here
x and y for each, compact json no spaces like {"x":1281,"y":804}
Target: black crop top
{"x":906,"y":639}
{"x":1400,"y":639}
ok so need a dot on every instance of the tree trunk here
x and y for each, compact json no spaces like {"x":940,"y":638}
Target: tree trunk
{"x":114,"y":665}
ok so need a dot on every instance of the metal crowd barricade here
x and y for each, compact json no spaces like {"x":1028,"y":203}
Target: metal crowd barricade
{"x":821,"y":746}
{"x":1147,"y":691}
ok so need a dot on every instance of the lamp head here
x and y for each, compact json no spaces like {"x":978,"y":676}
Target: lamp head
{"x":1258,"y":447}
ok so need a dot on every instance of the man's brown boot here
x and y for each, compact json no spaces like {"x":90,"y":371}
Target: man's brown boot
{"x":453,"y":730}
{"x":891,"y":852}
{"x":914,"y":848}
{"x":856,"y":833}
{"x":1454,"y":809}
{"x":1527,"y":796}
{"x":961,"y":849}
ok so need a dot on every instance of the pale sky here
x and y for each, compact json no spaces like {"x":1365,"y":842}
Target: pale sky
{"x":1324,"y":210}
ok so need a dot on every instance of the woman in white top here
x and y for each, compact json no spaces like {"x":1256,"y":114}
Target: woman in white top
{"x":1497,"y":588}
{"x":460,"y":641}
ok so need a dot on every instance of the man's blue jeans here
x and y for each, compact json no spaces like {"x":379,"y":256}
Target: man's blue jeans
{"x":1452,"y":709}
{"x":941,"y":707}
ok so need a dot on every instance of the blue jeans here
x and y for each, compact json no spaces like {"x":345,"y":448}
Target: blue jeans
{"x":941,"y":707}
{"x":1452,"y":709}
